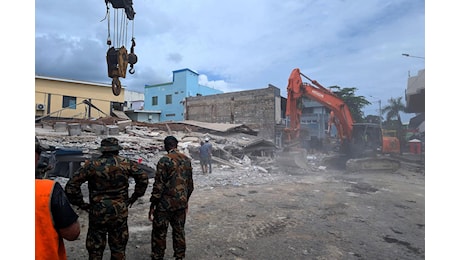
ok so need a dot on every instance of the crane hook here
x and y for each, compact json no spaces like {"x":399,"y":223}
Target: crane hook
{"x":132,"y":57}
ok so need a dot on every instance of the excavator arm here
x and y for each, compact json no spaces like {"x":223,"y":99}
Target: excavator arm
{"x":358,"y":141}
{"x":297,"y":89}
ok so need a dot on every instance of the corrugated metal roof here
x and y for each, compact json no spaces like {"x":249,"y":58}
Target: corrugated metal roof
{"x":75,"y":81}
{"x":199,"y":126}
{"x":221,"y":127}
{"x":120,"y":114}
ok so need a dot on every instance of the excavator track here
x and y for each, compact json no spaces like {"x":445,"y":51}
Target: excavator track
{"x":379,"y":163}
{"x":340,"y":162}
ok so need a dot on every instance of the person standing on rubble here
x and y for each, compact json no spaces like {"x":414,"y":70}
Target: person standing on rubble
{"x":171,"y":192}
{"x":206,"y":155}
{"x":55,"y":218}
{"x":107,"y":178}
{"x":203,"y":158}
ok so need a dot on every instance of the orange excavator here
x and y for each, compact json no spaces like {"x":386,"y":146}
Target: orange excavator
{"x":362,"y":145}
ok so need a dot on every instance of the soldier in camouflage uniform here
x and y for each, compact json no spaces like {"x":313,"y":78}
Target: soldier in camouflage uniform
{"x":169,"y":201}
{"x":109,"y":200}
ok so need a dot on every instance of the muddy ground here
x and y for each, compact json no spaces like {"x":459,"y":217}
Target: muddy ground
{"x":291,"y":214}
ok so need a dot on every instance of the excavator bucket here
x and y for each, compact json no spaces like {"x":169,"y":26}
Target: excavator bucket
{"x":335,"y":161}
{"x":294,"y":158}
{"x":379,"y":164}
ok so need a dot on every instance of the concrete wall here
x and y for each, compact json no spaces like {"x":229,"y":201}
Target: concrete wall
{"x":136,"y":105}
{"x":133,"y":100}
{"x":50,"y":93}
{"x":259,"y":109}
{"x":143,"y":116}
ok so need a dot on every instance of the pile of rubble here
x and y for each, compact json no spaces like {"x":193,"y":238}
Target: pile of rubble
{"x":233,"y":162}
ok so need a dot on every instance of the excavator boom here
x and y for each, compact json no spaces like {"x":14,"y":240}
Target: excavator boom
{"x":363,"y":141}
{"x":297,"y":89}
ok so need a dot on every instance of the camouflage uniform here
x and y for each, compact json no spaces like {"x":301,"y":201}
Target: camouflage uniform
{"x":170,"y":194}
{"x":107,"y":178}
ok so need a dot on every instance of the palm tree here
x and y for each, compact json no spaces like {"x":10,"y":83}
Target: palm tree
{"x":392,"y":110}
{"x":394,"y":107}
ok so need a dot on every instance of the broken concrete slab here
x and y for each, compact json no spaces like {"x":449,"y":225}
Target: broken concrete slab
{"x":98,"y":129}
{"x":113,"y":130}
{"x":60,"y":127}
{"x":74,"y":129}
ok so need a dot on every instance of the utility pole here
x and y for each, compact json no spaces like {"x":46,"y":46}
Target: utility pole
{"x":380,"y":111}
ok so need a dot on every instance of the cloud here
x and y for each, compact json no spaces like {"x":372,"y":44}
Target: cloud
{"x":240,"y":44}
{"x":175,"y":57}
{"x":216,"y":84}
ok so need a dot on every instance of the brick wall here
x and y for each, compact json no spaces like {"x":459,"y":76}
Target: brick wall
{"x":254,"y":108}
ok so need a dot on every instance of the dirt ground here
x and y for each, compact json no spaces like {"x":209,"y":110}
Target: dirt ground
{"x":327,"y":214}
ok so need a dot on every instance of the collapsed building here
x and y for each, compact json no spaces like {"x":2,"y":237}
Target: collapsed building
{"x":73,"y":141}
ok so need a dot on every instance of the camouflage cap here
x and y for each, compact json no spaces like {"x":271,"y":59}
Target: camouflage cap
{"x":170,"y":140}
{"x":110,"y":144}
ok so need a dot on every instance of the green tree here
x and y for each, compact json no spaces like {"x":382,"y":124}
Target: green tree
{"x":354,"y":103}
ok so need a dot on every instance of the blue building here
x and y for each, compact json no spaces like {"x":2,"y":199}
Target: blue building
{"x":168,"y":98}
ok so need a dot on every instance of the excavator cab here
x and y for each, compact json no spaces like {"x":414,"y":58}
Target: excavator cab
{"x":366,"y":140}
{"x":391,"y":144}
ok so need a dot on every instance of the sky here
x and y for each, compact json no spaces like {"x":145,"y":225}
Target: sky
{"x":241,"y":45}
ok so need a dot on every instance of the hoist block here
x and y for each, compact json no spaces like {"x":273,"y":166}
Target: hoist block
{"x":117,"y":62}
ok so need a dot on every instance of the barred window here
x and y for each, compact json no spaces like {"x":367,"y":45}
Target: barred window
{"x":69,"y":102}
{"x":168,"y":99}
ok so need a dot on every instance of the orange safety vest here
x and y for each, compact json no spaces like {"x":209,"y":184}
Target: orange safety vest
{"x":48,"y":244}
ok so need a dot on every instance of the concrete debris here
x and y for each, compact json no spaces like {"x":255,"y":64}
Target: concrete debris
{"x":232,"y":151}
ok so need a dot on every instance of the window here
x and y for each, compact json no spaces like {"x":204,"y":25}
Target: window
{"x":309,"y":110}
{"x":69,"y":102}
{"x":155,"y":101}
{"x":168,"y":99}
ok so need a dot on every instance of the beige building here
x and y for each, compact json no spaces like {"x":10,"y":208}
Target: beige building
{"x":415,"y":93}
{"x":64,"y":98}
